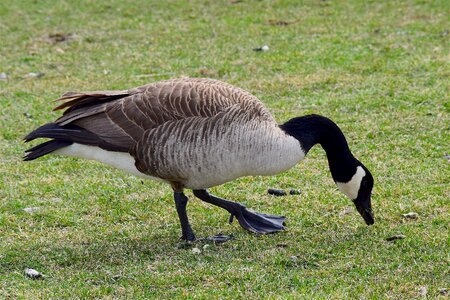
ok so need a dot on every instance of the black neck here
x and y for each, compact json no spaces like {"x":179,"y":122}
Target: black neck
{"x":314,"y":129}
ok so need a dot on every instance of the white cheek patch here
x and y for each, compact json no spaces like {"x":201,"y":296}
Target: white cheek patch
{"x":351,"y":188}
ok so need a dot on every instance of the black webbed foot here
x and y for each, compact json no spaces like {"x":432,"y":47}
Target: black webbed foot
{"x":257,"y":222}
{"x":188,"y":237}
{"x":249,"y":220}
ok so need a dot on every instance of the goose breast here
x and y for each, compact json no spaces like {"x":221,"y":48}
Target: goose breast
{"x":204,"y":152}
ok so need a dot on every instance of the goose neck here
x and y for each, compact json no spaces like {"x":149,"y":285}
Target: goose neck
{"x":314,"y":129}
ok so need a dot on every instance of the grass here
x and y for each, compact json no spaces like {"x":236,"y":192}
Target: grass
{"x":380,"y":69}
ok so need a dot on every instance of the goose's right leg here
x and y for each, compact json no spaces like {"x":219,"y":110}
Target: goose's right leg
{"x":249,"y":220}
{"x":180,"y":203}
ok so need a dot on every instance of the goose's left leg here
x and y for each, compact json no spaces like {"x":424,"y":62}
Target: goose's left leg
{"x":251,"y":221}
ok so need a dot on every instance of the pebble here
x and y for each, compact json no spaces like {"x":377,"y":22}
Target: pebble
{"x":423,"y":291}
{"x":447,"y":157}
{"x":34,"y":75}
{"x":395,"y":237}
{"x":27,"y":115}
{"x":31,"y":210}
{"x":196,"y":250}
{"x":411,"y":215}
{"x":263,"y":48}
{"x":33,"y":274}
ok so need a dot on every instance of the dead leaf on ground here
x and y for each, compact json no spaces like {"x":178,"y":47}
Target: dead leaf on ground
{"x":60,"y":37}
{"x":280,"y":22}
{"x":204,"y":71}
{"x":395,"y":237}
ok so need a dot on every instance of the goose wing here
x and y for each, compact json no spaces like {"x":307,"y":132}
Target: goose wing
{"x":200,"y":152}
{"x":121,"y":118}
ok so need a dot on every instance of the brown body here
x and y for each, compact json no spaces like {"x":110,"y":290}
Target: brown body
{"x":190,"y":132}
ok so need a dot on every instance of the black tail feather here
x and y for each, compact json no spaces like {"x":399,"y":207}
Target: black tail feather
{"x":45,"y":148}
{"x":66,"y":133}
{"x":63,"y":136}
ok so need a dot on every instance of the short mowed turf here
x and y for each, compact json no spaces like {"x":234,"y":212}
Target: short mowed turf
{"x":379,"y":69}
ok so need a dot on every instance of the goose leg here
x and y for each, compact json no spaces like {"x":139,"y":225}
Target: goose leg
{"x":180,"y":203}
{"x":251,"y":221}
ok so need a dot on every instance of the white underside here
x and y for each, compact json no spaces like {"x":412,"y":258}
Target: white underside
{"x":351,"y":188}
{"x":207,"y":173}
{"x":119,"y":160}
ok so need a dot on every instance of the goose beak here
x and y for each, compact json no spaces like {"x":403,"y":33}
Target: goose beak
{"x":364,"y":208}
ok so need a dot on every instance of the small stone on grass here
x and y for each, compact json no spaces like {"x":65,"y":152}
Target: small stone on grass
{"x":447,"y":157}
{"x":263,"y":48}
{"x":196,"y":250}
{"x":423,"y":291}
{"x":34,"y":75}
{"x":31,"y":210}
{"x":33,"y":274}
{"x":411,"y":215}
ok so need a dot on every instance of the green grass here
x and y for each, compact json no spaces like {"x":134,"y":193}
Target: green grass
{"x":380,"y":69}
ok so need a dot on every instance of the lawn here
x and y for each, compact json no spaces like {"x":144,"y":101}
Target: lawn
{"x":379,"y":69}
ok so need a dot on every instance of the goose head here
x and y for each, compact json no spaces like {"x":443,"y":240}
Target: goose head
{"x":359,"y":189}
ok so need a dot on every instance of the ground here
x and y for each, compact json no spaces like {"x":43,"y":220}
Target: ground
{"x":379,"y":69}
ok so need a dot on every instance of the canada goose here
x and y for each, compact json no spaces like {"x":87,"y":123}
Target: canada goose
{"x":197,"y":133}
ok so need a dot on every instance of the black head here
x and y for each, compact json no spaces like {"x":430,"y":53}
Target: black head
{"x":359,"y":190}
{"x":363,"y":201}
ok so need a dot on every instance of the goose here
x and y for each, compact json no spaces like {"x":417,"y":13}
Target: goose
{"x":196,"y":133}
